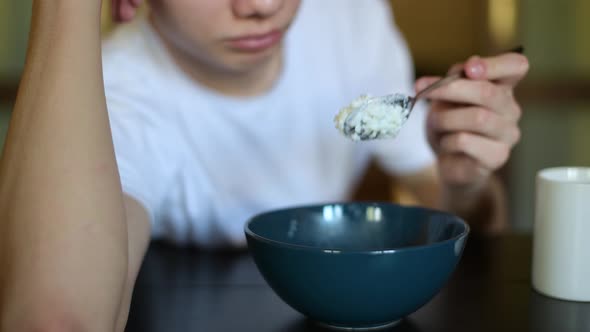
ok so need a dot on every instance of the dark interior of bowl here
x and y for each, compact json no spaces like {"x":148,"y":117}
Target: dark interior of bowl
{"x":357,"y":226}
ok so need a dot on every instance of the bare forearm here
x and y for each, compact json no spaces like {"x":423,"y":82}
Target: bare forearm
{"x":62,"y":214}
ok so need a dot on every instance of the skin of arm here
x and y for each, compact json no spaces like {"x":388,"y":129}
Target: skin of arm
{"x":65,"y":255}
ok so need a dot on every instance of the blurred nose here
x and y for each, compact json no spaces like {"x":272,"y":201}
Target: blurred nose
{"x":257,"y":8}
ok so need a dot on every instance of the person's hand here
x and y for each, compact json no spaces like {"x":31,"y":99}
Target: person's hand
{"x":473,"y":123}
{"x":124,"y":10}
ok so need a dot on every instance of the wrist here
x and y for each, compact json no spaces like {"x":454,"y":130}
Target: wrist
{"x":465,"y":194}
{"x":463,"y":197}
{"x":468,"y":201}
{"x":483,"y":205}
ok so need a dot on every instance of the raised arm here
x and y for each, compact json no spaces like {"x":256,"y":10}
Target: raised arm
{"x":63,"y":230}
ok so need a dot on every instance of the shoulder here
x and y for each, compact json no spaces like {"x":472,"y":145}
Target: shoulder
{"x":359,"y":40}
{"x":132,"y":54}
{"x":352,"y":25}
{"x":133,"y":65}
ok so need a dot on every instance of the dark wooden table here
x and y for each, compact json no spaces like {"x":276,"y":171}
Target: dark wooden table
{"x":191,"y":290}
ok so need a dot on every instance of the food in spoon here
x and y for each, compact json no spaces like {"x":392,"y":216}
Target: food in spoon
{"x":369,"y":118}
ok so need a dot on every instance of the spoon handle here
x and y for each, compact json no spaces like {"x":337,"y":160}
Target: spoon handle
{"x":443,"y":81}
{"x":452,"y":77}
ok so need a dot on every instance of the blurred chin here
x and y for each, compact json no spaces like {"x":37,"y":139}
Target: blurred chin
{"x":245,"y":61}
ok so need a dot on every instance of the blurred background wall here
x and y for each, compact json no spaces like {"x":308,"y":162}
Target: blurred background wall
{"x":555,"y":96}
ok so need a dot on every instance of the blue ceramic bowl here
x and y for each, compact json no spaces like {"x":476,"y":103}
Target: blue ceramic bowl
{"x":356,"y":265}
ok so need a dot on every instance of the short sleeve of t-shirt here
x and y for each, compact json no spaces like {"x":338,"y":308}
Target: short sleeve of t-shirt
{"x":140,"y":137}
{"x":409,"y":152}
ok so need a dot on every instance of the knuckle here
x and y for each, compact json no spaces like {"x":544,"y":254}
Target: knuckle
{"x":508,"y":92}
{"x":453,"y":143}
{"x":516,"y":135}
{"x":461,"y":141}
{"x":445,"y":122}
{"x":443,"y":90}
{"x":488,"y":92}
{"x":517,"y":111}
{"x":503,"y":155}
{"x":482,"y":118}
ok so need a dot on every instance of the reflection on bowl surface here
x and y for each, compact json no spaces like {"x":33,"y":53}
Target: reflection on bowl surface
{"x":356,"y":265}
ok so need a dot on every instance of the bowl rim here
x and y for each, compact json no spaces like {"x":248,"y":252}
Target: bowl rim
{"x":460,"y":220}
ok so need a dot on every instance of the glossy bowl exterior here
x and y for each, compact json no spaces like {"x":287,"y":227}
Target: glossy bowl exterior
{"x":356,"y":265}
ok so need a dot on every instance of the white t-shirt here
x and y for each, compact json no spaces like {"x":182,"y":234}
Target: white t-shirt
{"x":202,"y":163}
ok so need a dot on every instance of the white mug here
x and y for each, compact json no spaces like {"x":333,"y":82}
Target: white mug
{"x":561,"y":235}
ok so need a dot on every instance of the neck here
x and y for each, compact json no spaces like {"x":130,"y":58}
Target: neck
{"x":253,"y":81}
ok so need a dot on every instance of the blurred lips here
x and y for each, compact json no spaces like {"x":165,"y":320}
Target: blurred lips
{"x":256,"y":43}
